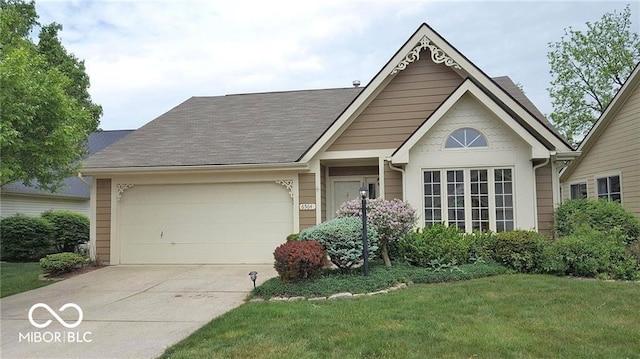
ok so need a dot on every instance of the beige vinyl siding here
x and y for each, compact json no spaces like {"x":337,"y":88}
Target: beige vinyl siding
{"x":103,"y":220}
{"x":323,"y":192}
{"x":544,"y":199}
{"x":403,"y":105}
{"x":615,"y":152}
{"x":11,"y":204}
{"x":392,"y":183}
{"x":307,"y":194}
{"x":354,"y":171}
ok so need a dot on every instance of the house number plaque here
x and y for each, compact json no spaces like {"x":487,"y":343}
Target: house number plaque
{"x":307,"y":206}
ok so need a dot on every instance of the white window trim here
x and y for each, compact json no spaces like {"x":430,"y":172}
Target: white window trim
{"x":606,"y":175}
{"x":585,"y":181}
{"x":467,"y":193}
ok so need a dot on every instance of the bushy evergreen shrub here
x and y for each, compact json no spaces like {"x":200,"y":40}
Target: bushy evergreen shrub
{"x":392,"y":219}
{"x":25,"y":238}
{"x":61,"y":262}
{"x":438,"y":245}
{"x":520,"y":250}
{"x":296,"y":260}
{"x":69,"y":229}
{"x":601,"y":215}
{"x":590,"y":253}
{"x":342,"y":239}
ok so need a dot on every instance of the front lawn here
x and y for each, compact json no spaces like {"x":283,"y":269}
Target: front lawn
{"x":506,"y":316}
{"x":20,"y":277}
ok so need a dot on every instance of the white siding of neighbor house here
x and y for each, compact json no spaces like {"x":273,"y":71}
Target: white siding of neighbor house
{"x":505,"y":150}
{"x":615,"y":152}
{"x":11,"y":204}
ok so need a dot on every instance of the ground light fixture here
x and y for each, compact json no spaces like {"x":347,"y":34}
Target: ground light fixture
{"x":253,"y":275}
{"x":365,"y":245}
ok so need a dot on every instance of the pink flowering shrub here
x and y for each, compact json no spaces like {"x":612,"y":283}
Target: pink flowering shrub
{"x":392,"y":220}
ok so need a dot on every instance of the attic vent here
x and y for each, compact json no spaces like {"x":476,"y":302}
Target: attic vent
{"x":356,"y":83}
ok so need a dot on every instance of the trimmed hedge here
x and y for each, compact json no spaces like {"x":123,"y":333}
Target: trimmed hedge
{"x":25,"y":238}
{"x":69,"y":229}
{"x":519,"y":250}
{"x":61,"y":262}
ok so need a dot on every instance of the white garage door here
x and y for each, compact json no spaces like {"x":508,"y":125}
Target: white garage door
{"x":203,"y":223}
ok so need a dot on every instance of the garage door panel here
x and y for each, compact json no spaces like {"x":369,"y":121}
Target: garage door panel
{"x":215,"y":223}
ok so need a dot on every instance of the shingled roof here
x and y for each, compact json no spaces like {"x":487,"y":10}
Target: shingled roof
{"x":258,"y":128}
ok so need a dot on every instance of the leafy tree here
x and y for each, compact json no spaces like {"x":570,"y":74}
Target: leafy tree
{"x":47,"y":113}
{"x":588,"y":68}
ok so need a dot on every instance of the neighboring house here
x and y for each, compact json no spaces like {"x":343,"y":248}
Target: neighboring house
{"x":609,"y":166}
{"x":225,"y":179}
{"x":73,"y":195}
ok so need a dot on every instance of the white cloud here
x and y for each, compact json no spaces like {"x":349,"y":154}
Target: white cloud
{"x":145,"y":57}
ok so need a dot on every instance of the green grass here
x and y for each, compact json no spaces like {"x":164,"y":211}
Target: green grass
{"x":380,"y":277}
{"x":506,"y":316}
{"x":20,"y":277}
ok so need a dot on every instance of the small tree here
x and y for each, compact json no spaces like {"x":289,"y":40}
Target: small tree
{"x":392,"y":220}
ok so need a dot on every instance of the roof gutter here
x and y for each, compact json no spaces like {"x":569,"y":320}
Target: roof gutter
{"x":290,"y":166}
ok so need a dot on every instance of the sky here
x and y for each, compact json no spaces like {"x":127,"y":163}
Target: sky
{"x":146,"y":57}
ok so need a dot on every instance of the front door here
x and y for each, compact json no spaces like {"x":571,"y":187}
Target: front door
{"x":346,"y":189}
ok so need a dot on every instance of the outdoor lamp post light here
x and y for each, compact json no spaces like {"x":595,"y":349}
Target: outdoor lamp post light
{"x":254,"y":276}
{"x":365,"y":245}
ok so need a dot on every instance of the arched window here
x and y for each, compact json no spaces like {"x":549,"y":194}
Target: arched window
{"x":466,"y":138}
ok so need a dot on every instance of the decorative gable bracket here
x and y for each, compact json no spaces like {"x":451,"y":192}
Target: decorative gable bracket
{"x":437,"y":55}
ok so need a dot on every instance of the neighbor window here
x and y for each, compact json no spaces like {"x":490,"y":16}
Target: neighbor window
{"x":465,"y":138}
{"x":609,"y":188}
{"x":471,"y":199}
{"x":579,"y":190}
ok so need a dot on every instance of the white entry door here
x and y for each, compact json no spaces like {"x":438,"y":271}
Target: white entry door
{"x":348,"y":188}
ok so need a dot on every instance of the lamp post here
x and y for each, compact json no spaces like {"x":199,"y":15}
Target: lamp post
{"x":365,"y":245}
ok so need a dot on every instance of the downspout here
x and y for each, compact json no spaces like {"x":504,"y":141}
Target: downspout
{"x":83,"y":180}
{"x":535,"y":190}
{"x":404,"y":187}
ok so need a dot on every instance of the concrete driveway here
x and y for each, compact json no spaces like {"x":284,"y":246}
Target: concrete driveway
{"x":128,"y":311}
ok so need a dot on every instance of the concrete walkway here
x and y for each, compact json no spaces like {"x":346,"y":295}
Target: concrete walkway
{"x":128,"y":311}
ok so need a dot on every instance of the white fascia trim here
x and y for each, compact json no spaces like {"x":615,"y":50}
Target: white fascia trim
{"x":366,"y":96}
{"x":197,"y":169}
{"x":339,"y":155}
{"x":538,"y":150}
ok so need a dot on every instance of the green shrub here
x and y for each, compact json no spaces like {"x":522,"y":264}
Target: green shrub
{"x":342,"y":239}
{"x":590,"y":253}
{"x":434,"y":246}
{"x":633,"y":250}
{"x":293,"y":237}
{"x":69,"y":229}
{"x":601,"y":215}
{"x":296,"y":261}
{"x":523,"y":251}
{"x":392,"y":219}
{"x":25,"y":238}
{"x":61,"y":262}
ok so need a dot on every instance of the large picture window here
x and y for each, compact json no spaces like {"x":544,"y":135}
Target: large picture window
{"x":471,"y":199}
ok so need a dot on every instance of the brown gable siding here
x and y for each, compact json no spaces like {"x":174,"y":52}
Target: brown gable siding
{"x":307,"y":194}
{"x":103,"y":220}
{"x":400,"y":108}
{"x":544,"y":198}
{"x":392,"y":183}
{"x":616,"y":151}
